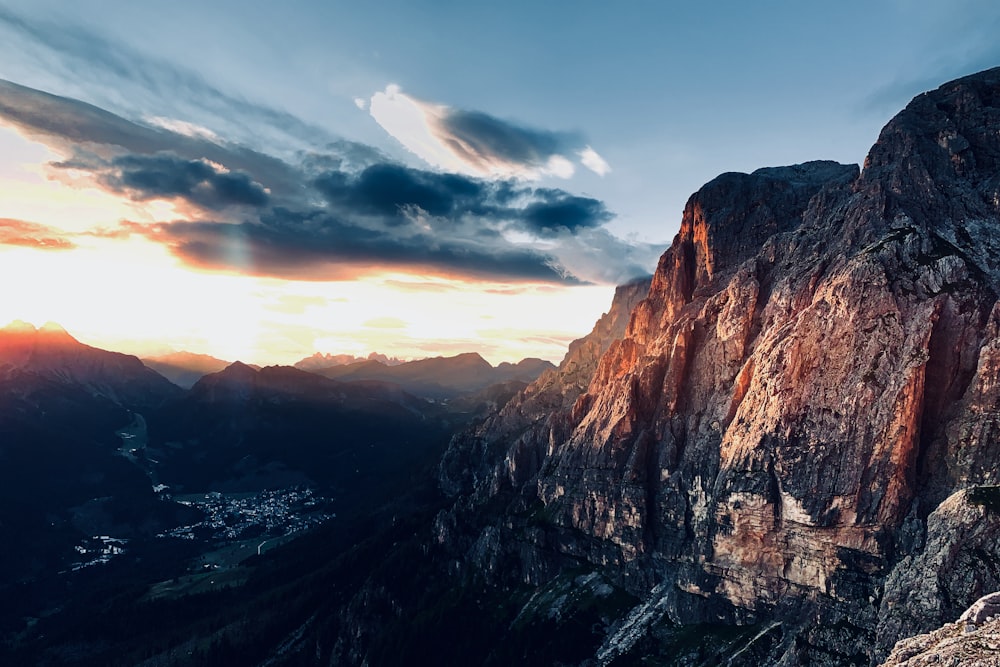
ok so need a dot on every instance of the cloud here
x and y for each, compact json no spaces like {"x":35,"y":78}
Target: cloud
{"x":33,"y":235}
{"x":476,"y":143}
{"x":92,"y":134}
{"x":132,"y":81}
{"x":594,"y":162}
{"x":495,"y":146}
{"x":201,"y":182}
{"x":331,"y":215}
{"x":400,"y":195}
{"x":318,"y":246}
{"x":388,"y":190}
{"x":557,"y":210}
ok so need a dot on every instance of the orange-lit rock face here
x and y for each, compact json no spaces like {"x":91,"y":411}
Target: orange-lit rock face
{"x":815,"y":368}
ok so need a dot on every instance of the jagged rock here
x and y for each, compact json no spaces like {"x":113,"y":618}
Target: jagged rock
{"x":985,"y":609}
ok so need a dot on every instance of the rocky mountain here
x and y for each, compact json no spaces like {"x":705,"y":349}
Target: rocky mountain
{"x":793,"y":432}
{"x":538,"y":412}
{"x":438,"y":377}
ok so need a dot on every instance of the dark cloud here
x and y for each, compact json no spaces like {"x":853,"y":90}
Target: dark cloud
{"x":93,"y":134}
{"x":388,"y":189}
{"x":317,"y":246}
{"x":391,"y":191}
{"x":167,"y":176}
{"x":481,"y":139}
{"x":558,"y":210}
{"x":33,"y":235}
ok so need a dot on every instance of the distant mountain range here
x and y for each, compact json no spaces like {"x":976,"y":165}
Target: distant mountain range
{"x":439,"y":377}
{"x":322,"y":360}
{"x":435,"y":378}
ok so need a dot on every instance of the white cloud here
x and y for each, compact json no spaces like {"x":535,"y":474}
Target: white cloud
{"x":594,"y":162}
{"x":558,"y":166}
{"x":361,"y":103}
{"x":485,"y":147}
{"x":407,"y":120}
{"x":183,"y":127}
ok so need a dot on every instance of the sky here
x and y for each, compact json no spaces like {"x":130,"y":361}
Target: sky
{"x":262,"y":181}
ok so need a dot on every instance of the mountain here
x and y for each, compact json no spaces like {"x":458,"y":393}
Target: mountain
{"x":53,"y":354}
{"x":184,"y":369}
{"x":319,"y":361}
{"x":243,"y":428}
{"x":536,"y":413}
{"x":438,"y":377}
{"x":790,"y":454}
{"x":63,"y":477}
{"x":87,"y":483}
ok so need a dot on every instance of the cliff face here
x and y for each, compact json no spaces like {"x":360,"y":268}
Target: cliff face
{"x":814,"y":370}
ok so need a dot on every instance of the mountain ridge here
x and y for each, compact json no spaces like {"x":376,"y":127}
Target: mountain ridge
{"x":439,"y":377}
{"x":52,"y":353}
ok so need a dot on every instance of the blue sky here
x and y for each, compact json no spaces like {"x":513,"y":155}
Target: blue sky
{"x":575,"y":130}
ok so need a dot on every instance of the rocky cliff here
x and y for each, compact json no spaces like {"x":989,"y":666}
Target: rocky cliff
{"x":797,"y":430}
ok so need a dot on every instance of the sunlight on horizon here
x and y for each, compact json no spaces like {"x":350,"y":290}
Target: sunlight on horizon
{"x":127,"y":293}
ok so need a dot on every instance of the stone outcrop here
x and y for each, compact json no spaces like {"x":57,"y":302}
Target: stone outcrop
{"x":972,"y":641}
{"x":797,"y":421}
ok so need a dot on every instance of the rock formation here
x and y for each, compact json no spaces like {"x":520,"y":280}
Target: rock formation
{"x":798,"y":427}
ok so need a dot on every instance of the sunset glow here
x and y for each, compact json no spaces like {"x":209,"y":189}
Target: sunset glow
{"x":126,"y":292}
{"x":271,"y":183}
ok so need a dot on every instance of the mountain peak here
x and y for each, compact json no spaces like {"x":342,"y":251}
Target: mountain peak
{"x":19,"y":327}
{"x":238,"y":368}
